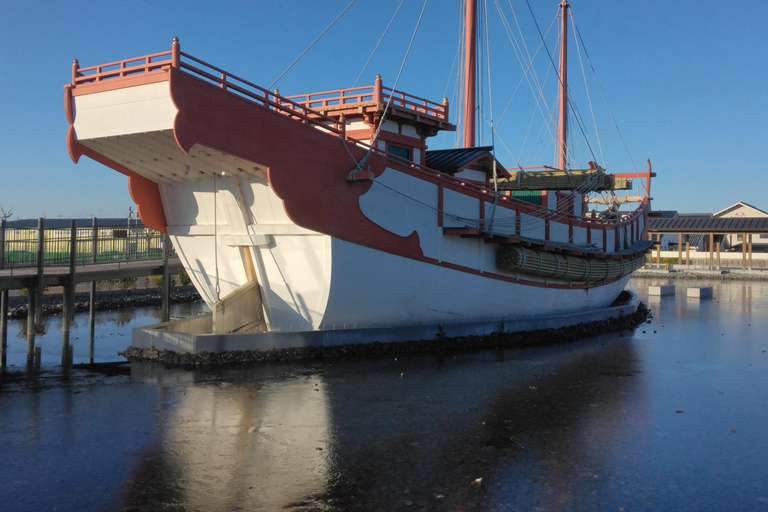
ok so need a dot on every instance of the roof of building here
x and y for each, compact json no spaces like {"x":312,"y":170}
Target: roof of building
{"x":740,"y":204}
{"x":708,"y":224}
{"x":451,"y":161}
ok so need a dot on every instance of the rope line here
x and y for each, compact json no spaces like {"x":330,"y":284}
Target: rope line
{"x":311,"y":44}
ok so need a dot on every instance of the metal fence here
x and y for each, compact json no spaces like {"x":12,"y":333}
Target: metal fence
{"x":19,"y":247}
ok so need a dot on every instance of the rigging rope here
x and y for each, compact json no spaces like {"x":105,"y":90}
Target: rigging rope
{"x":311,"y":45}
{"x":602,"y":93}
{"x":378,"y":43}
{"x":363,"y":160}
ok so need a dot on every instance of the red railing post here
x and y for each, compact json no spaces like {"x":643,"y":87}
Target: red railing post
{"x":377,"y":94}
{"x":175,"y":53}
{"x":75,"y":70}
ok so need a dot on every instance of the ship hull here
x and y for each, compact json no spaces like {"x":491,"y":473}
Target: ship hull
{"x":284,"y":223}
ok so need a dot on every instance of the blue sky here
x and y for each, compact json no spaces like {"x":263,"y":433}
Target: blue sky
{"x":686,"y":82}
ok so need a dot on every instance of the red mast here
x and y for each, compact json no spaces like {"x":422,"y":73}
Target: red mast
{"x":562,"y":146}
{"x":470,"y":70}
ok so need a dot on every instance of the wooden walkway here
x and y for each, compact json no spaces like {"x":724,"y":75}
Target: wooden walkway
{"x":26,"y":277}
{"x":35,"y":279}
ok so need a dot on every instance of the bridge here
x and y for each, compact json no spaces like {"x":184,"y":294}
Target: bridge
{"x":33,"y":259}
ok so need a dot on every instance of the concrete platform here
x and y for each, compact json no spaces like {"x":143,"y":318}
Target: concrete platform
{"x":188,"y":335}
{"x":662,"y":290}
{"x":701,"y":292}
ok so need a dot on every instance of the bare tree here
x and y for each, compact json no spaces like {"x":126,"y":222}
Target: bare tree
{"x":5,"y":214}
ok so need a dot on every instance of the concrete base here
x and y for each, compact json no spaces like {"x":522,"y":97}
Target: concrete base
{"x":700,"y":292}
{"x":190,"y":335}
{"x":661,"y":290}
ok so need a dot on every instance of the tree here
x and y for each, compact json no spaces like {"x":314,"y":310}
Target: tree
{"x":5,"y":214}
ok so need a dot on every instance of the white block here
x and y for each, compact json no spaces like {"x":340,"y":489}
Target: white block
{"x":664,"y":289}
{"x":700,"y":293}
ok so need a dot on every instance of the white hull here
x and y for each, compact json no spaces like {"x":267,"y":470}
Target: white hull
{"x":313,"y":281}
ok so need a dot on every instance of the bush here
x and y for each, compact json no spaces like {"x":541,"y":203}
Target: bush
{"x":127,"y":283}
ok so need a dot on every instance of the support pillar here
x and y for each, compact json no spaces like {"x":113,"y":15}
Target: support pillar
{"x":687,"y":251}
{"x":3,"y":329}
{"x":92,"y":302}
{"x":743,"y":251}
{"x":749,"y":252}
{"x":68,"y":299}
{"x":31,"y":330}
{"x":717,"y":248}
{"x":3,"y":304}
{"x":39,"y":285}
{"x":166,"y":301}
{"x":711,"y":251}
{"x":679,"y":248}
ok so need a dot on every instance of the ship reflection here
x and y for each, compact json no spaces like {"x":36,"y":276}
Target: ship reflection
{"x":469,"y":432}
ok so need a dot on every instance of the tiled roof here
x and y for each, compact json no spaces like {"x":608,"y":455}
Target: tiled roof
{"x":709,"y":224}
{"x":450,"y":160}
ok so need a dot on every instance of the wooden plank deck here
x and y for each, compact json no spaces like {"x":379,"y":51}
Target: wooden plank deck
{"x":17,"y":278}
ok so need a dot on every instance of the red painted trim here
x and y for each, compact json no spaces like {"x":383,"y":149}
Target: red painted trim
{"x":305,"y":180}
{"x":616,"y":244}
{"x":546,"y":229}
{"x":461,"y":231}
{"x":589,"y":235}
{"x":439,"y":203}
{"x":406,"y":140}
{"x":121,"y":83}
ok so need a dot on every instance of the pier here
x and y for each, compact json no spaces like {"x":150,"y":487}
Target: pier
{"x":33,"y":259}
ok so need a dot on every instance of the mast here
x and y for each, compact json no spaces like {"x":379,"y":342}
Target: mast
{"x":470,"y":71}
{"x":562,"y":145}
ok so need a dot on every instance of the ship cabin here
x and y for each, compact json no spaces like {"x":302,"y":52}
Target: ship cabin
{"x":407,"y":122}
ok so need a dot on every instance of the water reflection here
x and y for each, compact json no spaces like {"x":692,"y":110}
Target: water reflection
{"x":670,"y":417}
{"x":381,"y":435}
{"x":112,"y":333}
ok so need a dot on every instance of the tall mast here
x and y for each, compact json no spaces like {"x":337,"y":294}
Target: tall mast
{"x":562,"y":145}
{"x":470,"y":71}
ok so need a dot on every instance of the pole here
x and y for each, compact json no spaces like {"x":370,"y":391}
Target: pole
{"x":562,"y":147}
{"x":67,"y":315}
{"x":31,"y":327}
{"x":166,"y":301}
{"x":3,"y":329}
{"x":2,"y":244}
{"x":92,"y":302}
{"x":38,"y":311}
{"x":470,"y":72}
{"x":3,"y":304}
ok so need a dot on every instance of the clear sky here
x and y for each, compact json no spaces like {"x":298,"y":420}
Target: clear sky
{"x":686,"y":82}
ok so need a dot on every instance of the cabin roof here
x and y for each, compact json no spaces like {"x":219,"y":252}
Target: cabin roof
{"x":709,"y":224}
{"x":451,"y":161}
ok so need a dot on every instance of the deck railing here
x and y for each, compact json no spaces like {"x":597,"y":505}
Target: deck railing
{"x":19,"y":247}
{"x":177,"y":59}
{"x":376,"y":93}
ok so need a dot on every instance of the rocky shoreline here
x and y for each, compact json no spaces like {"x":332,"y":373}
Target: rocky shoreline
{"x":439,"y":345}
{"x":106,"y":300}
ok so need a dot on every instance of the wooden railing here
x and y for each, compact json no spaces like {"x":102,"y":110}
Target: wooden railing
{"x":22,"y":247}
{"x":372,"y":94}
{"x":209,"y":73}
